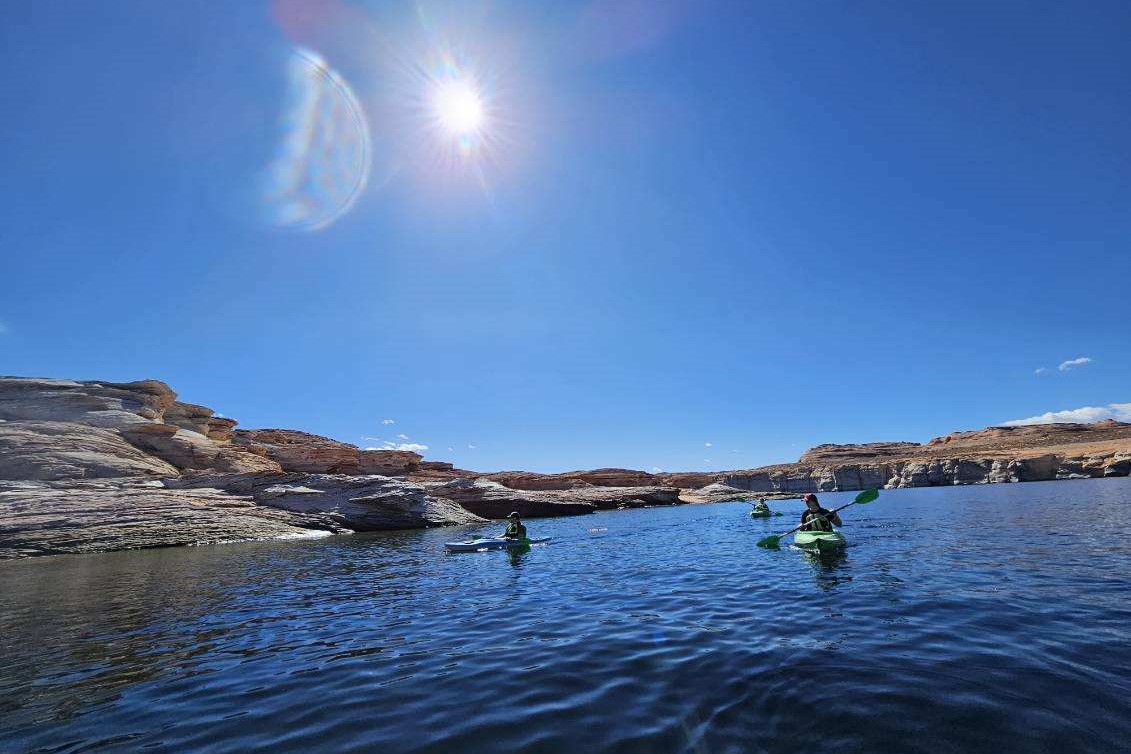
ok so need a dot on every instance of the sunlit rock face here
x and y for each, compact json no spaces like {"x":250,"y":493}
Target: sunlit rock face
{"x":323,"y":153}
{"x":68,"y":450}
{"x":84,"y":516}
{"x":200,"y":419}
{"x":97,"y":404}
{"x":189,"y":450}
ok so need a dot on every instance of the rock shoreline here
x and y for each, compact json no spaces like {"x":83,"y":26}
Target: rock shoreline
{"x":90,"y":466}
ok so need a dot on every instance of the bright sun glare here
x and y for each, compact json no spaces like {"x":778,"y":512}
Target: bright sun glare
{"x":458,"y":107}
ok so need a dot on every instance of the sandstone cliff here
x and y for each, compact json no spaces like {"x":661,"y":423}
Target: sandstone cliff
{"x":987,"y":456}
{"x":88,"y":466}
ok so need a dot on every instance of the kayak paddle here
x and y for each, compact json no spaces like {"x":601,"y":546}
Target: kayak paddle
{"x":771,"y":542}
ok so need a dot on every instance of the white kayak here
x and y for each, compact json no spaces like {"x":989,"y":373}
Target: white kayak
{"x":494,"y":543}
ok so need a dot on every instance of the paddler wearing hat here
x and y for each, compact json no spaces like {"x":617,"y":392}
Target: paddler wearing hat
{"x":515,"y":529}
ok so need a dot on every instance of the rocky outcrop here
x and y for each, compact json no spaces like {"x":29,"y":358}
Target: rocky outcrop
{"x":300,"y":451}
{"x":828,"y":454}
{"x":568,"y":480}
{"x":189,"y":450}
{"x":201,"y":420}
{"x":51,"y":451}
{"x":360,"y":503}
{"x":95,"y":404}
{"x":53,"y":518}
{"x":1074,"y":462}
{"x":314,"y":454}
{"x":607,"y":498}
{"x":389,"y":462}
{"x":528,"y":480}
{"x":490,"y":499}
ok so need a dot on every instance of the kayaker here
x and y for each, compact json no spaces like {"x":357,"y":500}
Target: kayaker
{"x":515,"y":529}
{"x":816,"y":518}
{"x":761,"y":507}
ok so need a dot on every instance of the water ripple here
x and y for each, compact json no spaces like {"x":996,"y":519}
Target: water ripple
{"x":960,"y":620}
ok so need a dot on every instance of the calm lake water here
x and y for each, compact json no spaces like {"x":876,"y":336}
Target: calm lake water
{"x":967,"y":619}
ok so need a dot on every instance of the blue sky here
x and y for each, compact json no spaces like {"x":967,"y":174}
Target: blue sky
{"x":756,"y":225}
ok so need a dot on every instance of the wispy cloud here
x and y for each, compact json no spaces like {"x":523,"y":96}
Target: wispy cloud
{"x":402,"y":437}
{"x":657,"y":470}
{"x":470,"y":446}
{"x":1073,"y":363}
{"x":1040,"y":370}
{"x":388,"y":421}
{"x":706,"y":445}
{"x":1086,"y":415}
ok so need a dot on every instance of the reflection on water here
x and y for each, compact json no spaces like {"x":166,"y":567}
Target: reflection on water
{"x":958,"y":619}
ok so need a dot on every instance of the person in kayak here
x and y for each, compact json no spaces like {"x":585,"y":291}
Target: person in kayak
{"x":515,"y":529}
{"x":761,"y":507}
{"x":816,"y":518}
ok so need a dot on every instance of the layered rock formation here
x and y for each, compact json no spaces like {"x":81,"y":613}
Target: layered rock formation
{"x":88,"y":466}
{"x":82,"y":516}
{"x":360,"y":503}
{"x":53,"y":450}
{"x":989,"y":456}
{"x":490,"y":499}
{"x":314,"y":454}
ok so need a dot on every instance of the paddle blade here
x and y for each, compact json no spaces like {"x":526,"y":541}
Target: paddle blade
{"x":770,"y":543}
{"x":866,"y":496}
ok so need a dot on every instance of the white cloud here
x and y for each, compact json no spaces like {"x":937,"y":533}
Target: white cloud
{"x":1040,"y":370}
{"x":1073,"y":363}
{"x":402,"y":437}
{"x":388,"y":421}
{"x":451,"y":449}
{"x":472,"y":447}
{"x":415,"y":447}
{"x":1086,"y":415}
{"x":736,"y":450}
{"x":706,"y":445}
{"x":657,"y":470}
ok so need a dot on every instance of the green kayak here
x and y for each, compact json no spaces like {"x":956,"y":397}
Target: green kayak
{"x":821,"y":541}
{"x":763,"y":514}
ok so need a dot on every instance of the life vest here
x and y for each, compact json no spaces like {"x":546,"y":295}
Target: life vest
{"x":814,"y":521}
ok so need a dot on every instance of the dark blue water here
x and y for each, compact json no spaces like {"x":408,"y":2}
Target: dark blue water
{"x":976,"y":619}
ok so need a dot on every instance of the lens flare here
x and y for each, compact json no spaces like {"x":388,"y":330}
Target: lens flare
{"x":322,"y":162}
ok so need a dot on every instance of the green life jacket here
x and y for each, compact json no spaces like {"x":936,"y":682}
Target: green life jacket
{"x":816,"y":522}
{"x":515,"y":531}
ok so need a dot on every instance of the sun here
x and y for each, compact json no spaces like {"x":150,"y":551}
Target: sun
{"x":458,"y":107}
